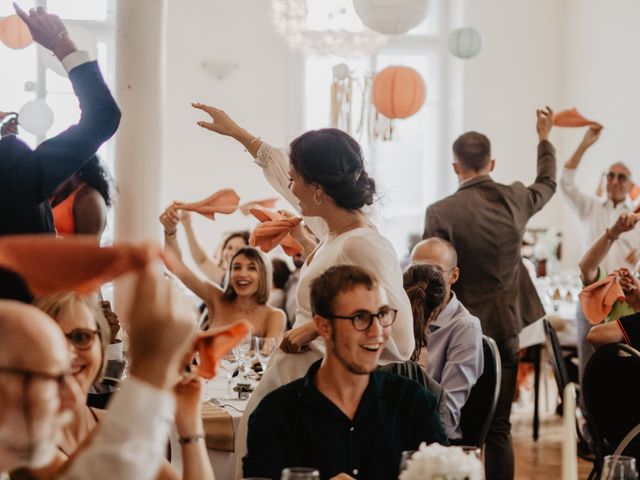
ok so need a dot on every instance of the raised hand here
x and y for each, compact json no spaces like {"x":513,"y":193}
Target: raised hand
{"x":169,"y":219}
{"x":47,"y":30}
{"x":544,"y":123}
{"x":220,"y":122}
{"x":625,"y":222}
{"x":591,"y":136}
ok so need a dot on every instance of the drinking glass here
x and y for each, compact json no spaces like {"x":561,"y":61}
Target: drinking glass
{"x":244,"y":353}
{"x":265,"y":346}
{"x":300,"y":473}
{"x":619,"y":468}
{"x":229,"y":363}
{"x":404,"y":459}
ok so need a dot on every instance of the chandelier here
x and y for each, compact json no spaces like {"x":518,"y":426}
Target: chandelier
{"x":291,"y":19}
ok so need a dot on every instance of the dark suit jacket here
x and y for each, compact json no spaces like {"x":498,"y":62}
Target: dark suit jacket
{"x":28,"y":177}
{"x":485,"y":222}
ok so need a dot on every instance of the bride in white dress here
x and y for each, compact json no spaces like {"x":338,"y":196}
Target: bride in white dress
{"x":323,"y":177}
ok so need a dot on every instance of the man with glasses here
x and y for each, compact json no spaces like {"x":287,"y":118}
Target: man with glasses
{"x":454,"y":338}
{"x":344,"y":417}
{"x":596,"y":214}
{"x":36,"y":387}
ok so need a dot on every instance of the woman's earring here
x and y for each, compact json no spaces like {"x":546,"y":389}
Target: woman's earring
{"x":317,"y":200}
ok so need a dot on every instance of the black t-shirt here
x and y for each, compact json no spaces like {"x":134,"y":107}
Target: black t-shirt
{"x":630,"y":326}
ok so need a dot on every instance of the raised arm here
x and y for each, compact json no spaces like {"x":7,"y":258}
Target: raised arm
{"x":544,"y":186}
{"x":591,"y":260}
{"x":205,"y":263}
{"x":59,"y":157}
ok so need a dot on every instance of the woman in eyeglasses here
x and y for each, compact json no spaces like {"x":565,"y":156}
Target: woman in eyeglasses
{"x":83,"y":323}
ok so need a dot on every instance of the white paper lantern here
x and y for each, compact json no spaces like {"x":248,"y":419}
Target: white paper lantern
{"x":36,"y":117}
{"x":465,"y":42}
{"x":391,"y":17}
{"x":83,"y":38}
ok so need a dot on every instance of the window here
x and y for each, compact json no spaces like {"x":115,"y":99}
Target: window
{"x":411,"y":170}
{"x":26,"y":77}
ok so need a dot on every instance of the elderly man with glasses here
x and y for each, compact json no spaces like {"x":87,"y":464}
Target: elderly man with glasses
{"x":344,"y":417}
{"x":596,"y":214}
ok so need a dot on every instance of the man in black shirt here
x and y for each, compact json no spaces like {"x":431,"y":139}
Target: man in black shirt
{"x":343,"y":416}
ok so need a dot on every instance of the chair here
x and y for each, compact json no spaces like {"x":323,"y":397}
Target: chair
{"x":611,"y":399}
{"x":477,"y":413}
{"x":105,"y":390}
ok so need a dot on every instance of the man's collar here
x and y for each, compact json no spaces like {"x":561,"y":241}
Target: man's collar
{"x":447,"y":313}
{"x":474,"y":181}
{"x":627,"y":203}
{"x":312,"y":392}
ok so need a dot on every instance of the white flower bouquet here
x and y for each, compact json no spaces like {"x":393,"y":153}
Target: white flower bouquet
{"x":435,"y":462}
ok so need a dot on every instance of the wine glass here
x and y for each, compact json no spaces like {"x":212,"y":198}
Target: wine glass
{"x":300,"y":473}
{"x":229,"y":363}
{"x":265,"y":346}
{"x":619,"y":468}
{"x":244,"y":352}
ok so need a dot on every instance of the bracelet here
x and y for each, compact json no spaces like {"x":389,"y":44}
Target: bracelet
{"x":170,"y":234}
{"x":191,"y":439}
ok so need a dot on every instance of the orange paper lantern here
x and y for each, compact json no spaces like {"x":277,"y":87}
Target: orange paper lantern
{"x":14,"y":33}
{"x":398,"y":92}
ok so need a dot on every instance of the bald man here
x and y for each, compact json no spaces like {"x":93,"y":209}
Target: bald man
{"x":454,"y":338}
{"x":36,"y":387}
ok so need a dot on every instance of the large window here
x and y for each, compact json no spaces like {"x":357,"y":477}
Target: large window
{"x":26,"y":75}
{"x":412,"y":169}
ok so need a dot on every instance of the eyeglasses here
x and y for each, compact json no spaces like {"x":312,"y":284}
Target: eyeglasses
{"x":363,"y":320}
{"x":622,"y":177}
{"x":81,"y":338}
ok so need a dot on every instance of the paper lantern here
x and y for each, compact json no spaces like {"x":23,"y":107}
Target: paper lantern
{"x":83,"y":38}
{"x":341,"y":71}
{"x":14,"y":33}
{"x":398,"y":92}
{"x":391,"y":17}
{"x":36,"y":117}
{"x":465,"y":42}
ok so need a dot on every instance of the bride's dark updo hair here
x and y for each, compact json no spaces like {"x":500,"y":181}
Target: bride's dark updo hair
{"x":332,"y":159}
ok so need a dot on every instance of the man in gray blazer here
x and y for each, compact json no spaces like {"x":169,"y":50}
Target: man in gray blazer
{"x":485,"y":222}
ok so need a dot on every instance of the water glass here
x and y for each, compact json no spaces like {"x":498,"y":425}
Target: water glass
{"x":619,"y":468}
{"x":300,"y":473}
{"x":229,"y":363}
{"x":265,"y":346}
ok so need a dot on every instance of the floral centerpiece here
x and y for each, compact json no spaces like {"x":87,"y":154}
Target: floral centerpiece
{"x":435,"y":462}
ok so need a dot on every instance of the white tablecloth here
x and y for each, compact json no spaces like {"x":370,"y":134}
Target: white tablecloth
{"x":563,"y":319}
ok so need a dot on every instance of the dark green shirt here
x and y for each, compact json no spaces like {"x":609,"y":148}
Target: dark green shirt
{"x":297,"y":426}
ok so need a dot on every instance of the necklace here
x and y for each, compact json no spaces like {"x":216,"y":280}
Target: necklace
{"x":355,"y":224}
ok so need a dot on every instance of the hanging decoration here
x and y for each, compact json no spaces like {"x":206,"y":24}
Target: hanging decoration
{"x":14,"y":33}
{"x":391,"y":17}
{"x":465,"y":42}
{"x":398,"y":92}
{"x":290,"y":18}
{"x":36,"y":117}
{"x":341,"y":98}
{"x":84,"y":40}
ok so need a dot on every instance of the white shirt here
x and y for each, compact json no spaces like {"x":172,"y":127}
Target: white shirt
{"x":596,"y":215}
{"x":131,"y":440}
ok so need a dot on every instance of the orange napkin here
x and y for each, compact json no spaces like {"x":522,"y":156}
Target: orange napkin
{"x":215,"y":343}
{"x":48,"y":265}
{"x":245,"y":208}
{"x":572,"y":118}
{"x":598,"y":298}
{"x":274,"y":230}
{"x":223,"y":201}
{"x":635,"y":192}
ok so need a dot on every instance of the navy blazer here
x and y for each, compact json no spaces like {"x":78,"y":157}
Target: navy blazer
{"x":28,"y":177}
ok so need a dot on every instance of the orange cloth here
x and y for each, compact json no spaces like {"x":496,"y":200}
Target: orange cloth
{"x":51,"y":265}
{"x":223,"y":201}
{"x":274,"y":230}
{"x":63,"y":216}
{"x":598,"y":298}
{"x":245,"y":208}
{"x":214,"y":344}
{"x":635,"y":192}
{"x":572,"y":118}
{"x":218,"y":428}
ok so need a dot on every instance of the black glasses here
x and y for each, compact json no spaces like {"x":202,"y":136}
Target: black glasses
{"x":363,"y":320}
{"x":81,"y":338}
{"x":622,"y":177}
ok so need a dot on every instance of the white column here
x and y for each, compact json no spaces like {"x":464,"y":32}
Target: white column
{"x":140,"y":90}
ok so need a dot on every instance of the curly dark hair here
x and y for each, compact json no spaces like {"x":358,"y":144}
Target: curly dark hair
{"x":94,"y":174}
{"x":426,"y":289}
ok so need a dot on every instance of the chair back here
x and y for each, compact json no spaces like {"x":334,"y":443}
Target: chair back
{"x":477,"y":413}
{"x":104,"y":390}
{"x":612,"y":398}
{"x":555,"y":357}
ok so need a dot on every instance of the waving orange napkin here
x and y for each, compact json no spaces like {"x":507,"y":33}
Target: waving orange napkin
{"x":573,"y":118}
{"x":49,"y":265}
{"x":223,"y":201}
{"x":598,"y":298}
{"x":217,"y":342}
{"x":274,"y":230}
{"x":245,"y":208}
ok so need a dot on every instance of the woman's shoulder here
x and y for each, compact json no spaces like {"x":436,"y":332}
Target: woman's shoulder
{"x":364,"y":241}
